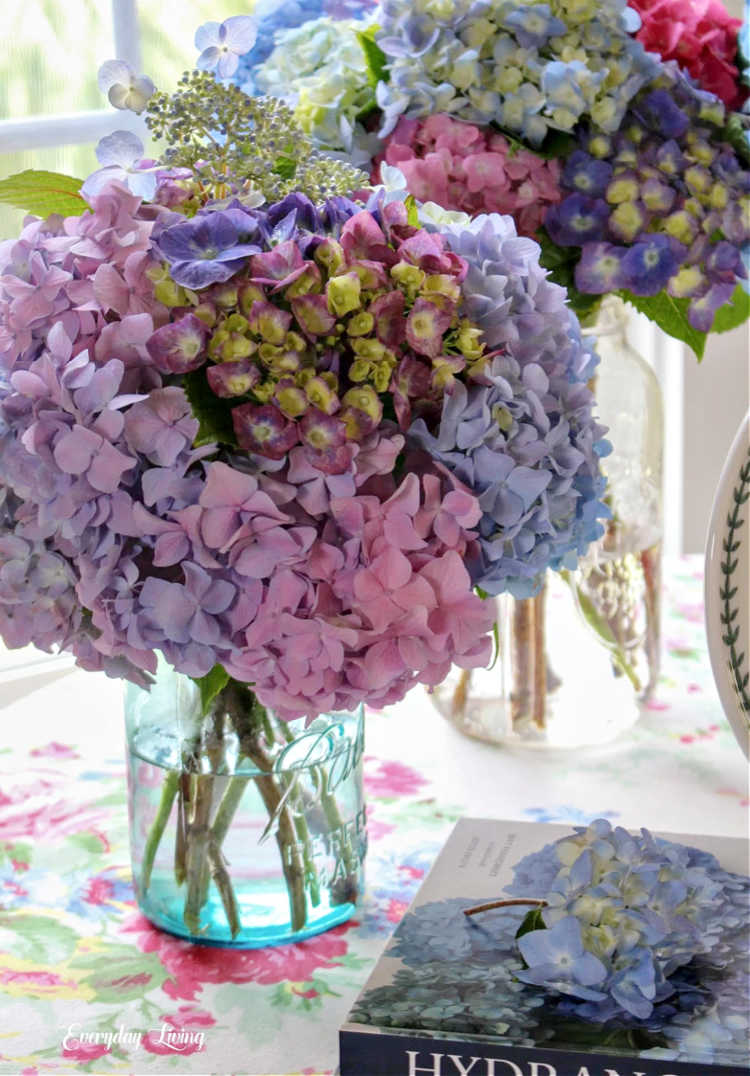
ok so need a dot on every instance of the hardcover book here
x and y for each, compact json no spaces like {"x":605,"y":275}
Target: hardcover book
{"x":445,"y":998}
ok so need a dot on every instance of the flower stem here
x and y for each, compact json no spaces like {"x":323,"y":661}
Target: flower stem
{"x":155,"y":834}
{"x":241,"y":711}
{"x":197,"y":839}
{"x":505,"y":904}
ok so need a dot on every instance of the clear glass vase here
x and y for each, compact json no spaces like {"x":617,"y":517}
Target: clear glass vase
{"x":576,"y":661}
{"x":244,"y":830}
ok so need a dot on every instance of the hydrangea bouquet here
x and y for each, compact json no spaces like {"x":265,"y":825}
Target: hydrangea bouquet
{"x":275,"y":432}
{"x":610,"y":133}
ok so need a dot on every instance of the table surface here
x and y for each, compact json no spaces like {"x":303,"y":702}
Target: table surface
{"x":76,"y":956}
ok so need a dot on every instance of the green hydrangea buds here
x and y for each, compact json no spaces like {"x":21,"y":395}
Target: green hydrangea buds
{"x":291,"y":399}
{"x":270,"y":322}
{"x":408,"y":276}
{"x":308,"y":283}
{"x":330,"y":255}
{"x":236,"y":323}
{"x":226,"y":346}
{"x":361,"y":324}
{"x":206,"y":312}
{"x":364,"y":399}
{"x":265,"y":390}
{"x":442,"y":284}
{"x":381,"y":375}
{"x":444,"y":370}
{"x":249,"y":294}
{"x":369,"y":348}
{"x":294,"y":342}
{"x":165,"y":289}
{"x":360,"y":370}
{"x":343,"y":294}
{"x":469,"y":340}
{"x":321,"y":394}
{"x":225,"y":296}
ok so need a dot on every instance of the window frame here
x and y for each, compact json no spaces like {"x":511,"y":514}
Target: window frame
{"x":84,"y":127}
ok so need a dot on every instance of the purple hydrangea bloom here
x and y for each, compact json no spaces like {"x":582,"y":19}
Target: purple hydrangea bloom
{"x":586,"y":174}
{"x":207,"y":249}
{"x":578,"y":219}
{"x":662,"y":113}
{"x":650,"y":263}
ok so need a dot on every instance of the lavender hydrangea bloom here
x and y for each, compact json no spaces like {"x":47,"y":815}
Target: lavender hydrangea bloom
{"x":523,"y":438}
{"x":209,"y":248}
{"x":222,"y":44}
{"x":120,"y":155}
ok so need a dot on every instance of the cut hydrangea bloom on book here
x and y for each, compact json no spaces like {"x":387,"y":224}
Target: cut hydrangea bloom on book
{"x":667,"y":994}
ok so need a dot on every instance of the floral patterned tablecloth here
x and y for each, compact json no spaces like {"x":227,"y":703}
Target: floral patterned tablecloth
{"x":76,"y":957}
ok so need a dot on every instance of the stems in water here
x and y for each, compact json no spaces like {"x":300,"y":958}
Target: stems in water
{"x":168,"y":793}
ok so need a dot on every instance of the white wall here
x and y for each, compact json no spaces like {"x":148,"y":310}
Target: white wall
{"x":717,"y":395}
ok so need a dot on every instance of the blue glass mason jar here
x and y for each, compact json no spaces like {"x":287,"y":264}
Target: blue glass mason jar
{"x":245,"y":831}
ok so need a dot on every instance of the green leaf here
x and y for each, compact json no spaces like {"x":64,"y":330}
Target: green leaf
{"x":285,"y":167}
{"x":37,"y":938}
{"x":735,"y":133}
{"x":532,"y":921}
{"x":734,"y":313}
{"x":43,"y":193}
{"x":19,"y":853}
{"x":120,"y":974}
{"x":412,"y":211}
{"x":375,"y":59}
{"x":89,"y":842}
{"x":670,"y":315}
{"x":556,"y":145}
{"x":213,"y":413}
{"x":210,"y":685}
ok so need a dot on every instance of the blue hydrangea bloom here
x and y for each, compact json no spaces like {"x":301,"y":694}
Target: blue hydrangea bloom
{"x":439,"y":62}
{"x":273,"y":16}
{"x":523,"y":438}
{"x":459,"y":976}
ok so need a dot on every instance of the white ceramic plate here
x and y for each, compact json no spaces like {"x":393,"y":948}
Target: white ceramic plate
{"x":728,"y":586}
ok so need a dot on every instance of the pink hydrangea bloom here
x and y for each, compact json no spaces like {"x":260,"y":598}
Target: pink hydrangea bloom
{"x":471,"y":169}
{"x":701,"y":36}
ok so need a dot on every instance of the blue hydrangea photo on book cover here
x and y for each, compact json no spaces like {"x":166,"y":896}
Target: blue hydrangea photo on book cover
{"x":540,"y":950}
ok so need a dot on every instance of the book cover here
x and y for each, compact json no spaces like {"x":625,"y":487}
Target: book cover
{"x":445,"y":1000}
